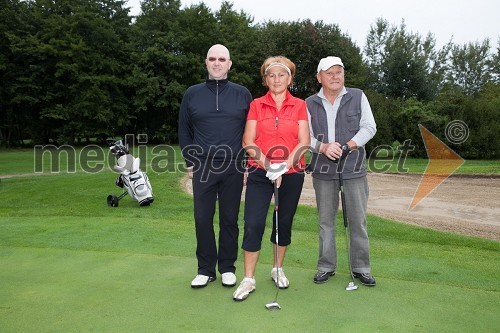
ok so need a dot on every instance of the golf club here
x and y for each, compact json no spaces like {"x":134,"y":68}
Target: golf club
{"x":351,"y":285}
{"x":274,"y":305}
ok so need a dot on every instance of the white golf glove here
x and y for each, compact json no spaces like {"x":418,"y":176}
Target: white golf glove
{"x":275,"y":170}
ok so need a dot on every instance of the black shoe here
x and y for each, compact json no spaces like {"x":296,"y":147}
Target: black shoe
{"x":365,"y":279}
{"x":322,"y":277}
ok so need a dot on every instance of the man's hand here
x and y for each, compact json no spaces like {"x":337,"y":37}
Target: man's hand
{"x":331,"y":150}
{"x":335,"y":151}
{"x":346,"y":150}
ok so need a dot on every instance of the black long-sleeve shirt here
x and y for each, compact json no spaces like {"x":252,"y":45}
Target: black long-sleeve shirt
{"x":212,"y":119}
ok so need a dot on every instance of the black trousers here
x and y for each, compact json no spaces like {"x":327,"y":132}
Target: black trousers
{"x":212,"y":182}
{"x":258,"y":195}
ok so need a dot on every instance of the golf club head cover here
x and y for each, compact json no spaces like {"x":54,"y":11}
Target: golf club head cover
{"x":136,"y":164}
{"x":124,"y":164}
{"x":275,"y":170}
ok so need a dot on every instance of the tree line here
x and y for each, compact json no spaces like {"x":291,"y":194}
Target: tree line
{"x":75,"y":70}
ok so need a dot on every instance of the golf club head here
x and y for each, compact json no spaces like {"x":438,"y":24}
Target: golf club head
{"x":351,"y":286}
{"x":273,"y":306}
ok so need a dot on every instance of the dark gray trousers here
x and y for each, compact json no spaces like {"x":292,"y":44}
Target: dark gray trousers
{"x":327,"y":198}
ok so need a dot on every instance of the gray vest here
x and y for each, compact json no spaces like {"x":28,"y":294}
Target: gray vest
{"x":346,"y":126}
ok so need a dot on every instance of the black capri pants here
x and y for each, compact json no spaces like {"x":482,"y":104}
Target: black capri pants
{"x":258,"y":195}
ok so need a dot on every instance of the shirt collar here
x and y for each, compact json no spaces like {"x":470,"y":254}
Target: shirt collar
{"x":268,"y":99}
{"x":321,"y":94}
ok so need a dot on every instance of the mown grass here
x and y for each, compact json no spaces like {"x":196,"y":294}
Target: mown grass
{"x":419,"y":165}
{"x":71,"y":263}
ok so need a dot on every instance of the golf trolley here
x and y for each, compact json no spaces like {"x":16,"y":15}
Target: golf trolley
{"x":131,"y":177}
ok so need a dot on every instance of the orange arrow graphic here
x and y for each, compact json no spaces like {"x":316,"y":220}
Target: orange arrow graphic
{"x":442,"y":163}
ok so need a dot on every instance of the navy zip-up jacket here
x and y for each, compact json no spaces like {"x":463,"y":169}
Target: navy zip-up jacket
{"x":212,"y":119}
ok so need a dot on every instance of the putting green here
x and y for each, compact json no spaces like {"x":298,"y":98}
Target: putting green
{"x":69,"y":263}
{"x":58,"y":290}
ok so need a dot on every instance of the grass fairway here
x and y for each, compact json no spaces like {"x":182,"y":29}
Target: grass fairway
{"x":69,"y":263}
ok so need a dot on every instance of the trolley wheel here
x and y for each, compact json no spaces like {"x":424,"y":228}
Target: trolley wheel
{"x":112,"y":200}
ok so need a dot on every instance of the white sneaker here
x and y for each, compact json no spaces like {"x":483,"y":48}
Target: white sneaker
{"x":283,"y":281}
{"x":201,"y":281}
{"x":246,"y":287}
{"x":228,"y":279}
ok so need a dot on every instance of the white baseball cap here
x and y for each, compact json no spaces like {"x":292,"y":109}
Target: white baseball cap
{"x":328,"y":62}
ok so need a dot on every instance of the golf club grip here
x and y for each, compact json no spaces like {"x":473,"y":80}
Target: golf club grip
{"x":342,"y":195}
{"x":276,"y":201}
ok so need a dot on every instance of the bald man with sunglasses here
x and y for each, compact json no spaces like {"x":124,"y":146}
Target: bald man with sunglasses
{"x":212,"y":119}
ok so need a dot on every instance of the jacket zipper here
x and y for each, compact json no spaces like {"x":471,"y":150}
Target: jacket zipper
{"x":217,"y":97}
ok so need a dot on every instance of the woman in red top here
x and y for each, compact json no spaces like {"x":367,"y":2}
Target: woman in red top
{"x":276,"y":137}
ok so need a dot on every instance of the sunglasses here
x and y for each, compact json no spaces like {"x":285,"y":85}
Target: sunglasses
{"x":212,"y":59}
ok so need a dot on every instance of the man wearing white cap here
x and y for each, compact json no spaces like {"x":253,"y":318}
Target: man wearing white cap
{"x":341,"y":123}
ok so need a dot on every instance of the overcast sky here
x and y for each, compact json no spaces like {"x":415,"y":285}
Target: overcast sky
{"x":463,"y":20}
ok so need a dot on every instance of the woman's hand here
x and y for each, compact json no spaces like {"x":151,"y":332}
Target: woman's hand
{"x":275,"y":170}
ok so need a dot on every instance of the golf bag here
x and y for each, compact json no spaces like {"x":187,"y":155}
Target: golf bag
{"x":131,"y":177}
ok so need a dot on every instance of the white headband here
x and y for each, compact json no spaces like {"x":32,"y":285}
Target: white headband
{"x":278,"y":64}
